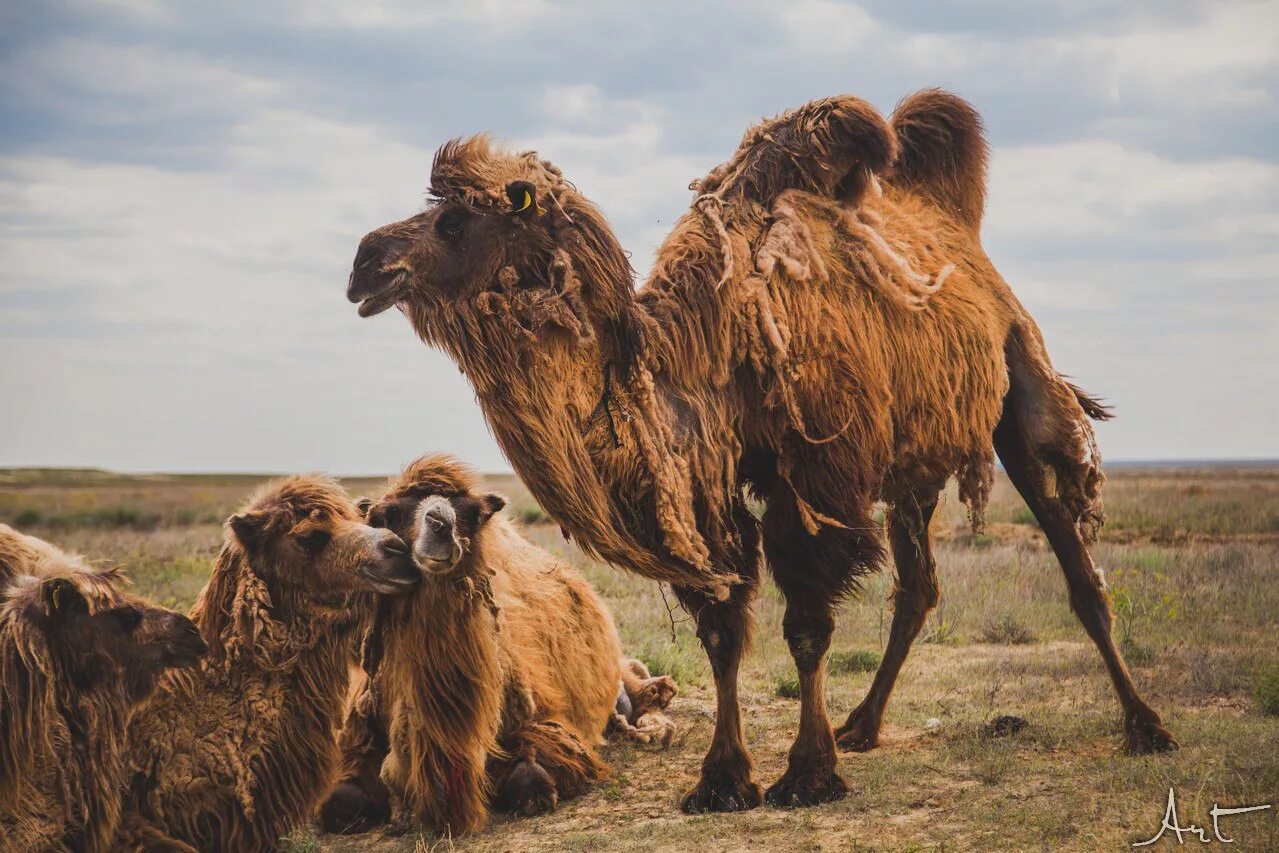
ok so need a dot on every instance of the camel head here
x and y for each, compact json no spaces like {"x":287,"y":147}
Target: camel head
{"x":436,"y":507}
{"x":503,"y":236}
{"x":303,"y":535}
{"x":101,"y":635}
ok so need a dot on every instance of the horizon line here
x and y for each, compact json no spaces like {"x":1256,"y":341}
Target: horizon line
{"x":1182,"y":462}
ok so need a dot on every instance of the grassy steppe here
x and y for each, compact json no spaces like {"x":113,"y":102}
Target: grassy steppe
{"x":1192,"y":557}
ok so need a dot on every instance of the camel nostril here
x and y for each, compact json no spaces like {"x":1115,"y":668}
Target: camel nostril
{"x":395,"y":547}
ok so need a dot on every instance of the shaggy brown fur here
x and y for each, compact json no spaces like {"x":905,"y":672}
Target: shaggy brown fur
{"x":495,"y":680}
{"x":77,"y":656}
{"x":809,"y":331}
{"x":235,"y":755}
{"x":20,"y":552}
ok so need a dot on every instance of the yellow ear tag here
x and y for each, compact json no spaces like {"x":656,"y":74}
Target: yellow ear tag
{"x":528,"y":200}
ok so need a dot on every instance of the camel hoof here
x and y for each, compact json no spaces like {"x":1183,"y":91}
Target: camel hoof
{"x":858,"y":735}
{"x":806,"y":788}
{"x":528,"y":790}
{"x":720,"y":792}
{"x":1144,"y":734}
{"x":351,"y":810}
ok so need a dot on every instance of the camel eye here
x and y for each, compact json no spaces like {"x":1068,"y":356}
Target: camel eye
{"x":449,"y":224}
{"x":313,"y":542}
{"x":129,"y":618}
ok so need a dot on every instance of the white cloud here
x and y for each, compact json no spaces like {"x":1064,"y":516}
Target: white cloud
{"x":176,"y":302}
{"x":1098,"y":187}
{"x":406,"y":14}
{"x":825,"y":26}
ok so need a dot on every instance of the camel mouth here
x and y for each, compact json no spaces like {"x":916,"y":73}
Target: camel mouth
{"x":434,"y":563}
{"x":386,"y":297}
{"x":435,"y":568}
{"x":187,"y":652}
{"x":389,"y":584}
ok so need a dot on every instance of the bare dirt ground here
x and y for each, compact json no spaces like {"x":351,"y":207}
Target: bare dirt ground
{"x":1192,"y":557}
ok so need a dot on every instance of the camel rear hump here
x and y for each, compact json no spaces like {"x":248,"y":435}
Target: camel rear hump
{"x":942,"y":153}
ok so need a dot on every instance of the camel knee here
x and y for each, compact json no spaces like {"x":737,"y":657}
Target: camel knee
{"x":808,"y":632}
{"x":723,"y":635}
{"x":916,"y":600}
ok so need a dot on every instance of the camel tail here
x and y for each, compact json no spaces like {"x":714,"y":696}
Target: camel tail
{"x":1093,"y":407}
{"x":942,"y":153}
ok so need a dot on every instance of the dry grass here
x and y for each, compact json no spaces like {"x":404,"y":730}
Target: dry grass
{"x":1192,"y":558}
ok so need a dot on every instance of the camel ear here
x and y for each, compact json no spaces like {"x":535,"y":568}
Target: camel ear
{"x":490,"y":505}
{"x":363,"y":505}
{"x":829,"y":147}
{"x":60,"y":599}
{"x":248,"y":527}
{"x":523,"y":198}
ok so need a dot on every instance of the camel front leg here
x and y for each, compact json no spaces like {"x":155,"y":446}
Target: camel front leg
{"x":726,"y":784}
{"x":810,"y":776}
{"x":814,"y":571}
{"x":360,"y":801}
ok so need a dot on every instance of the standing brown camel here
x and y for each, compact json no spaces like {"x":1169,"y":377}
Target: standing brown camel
{"x":809,"y":333}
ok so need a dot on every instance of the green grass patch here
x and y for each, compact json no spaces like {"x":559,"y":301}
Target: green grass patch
{"x":856,"y":660}
{"x":1266,"y":691}
{"x":786,"y":687}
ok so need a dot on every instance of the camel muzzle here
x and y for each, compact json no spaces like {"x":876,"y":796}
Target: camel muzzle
{"x":379,"y":277}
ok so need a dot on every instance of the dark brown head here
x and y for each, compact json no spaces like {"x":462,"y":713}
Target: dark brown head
{"x":437,"y":507}
{"x":304,"y":536}
{"x":498,"y":224}
{"x":100,"y":635}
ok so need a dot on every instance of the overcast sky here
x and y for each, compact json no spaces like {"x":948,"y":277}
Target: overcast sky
{"x":182,"y":191}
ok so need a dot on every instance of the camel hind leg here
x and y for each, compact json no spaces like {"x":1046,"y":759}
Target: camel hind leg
{"x":641,"y":698}
{"x":915,"y":594}
{"x":1045,"y":443}
{"x":645,"y":692}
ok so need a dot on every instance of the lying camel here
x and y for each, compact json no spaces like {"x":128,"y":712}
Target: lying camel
{"x":493,"y":682}
{"x":237,"y":754}
{"x":77,"y":658}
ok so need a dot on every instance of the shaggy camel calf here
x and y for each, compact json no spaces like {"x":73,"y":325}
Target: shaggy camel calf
{"x":494,"y":681}
{"x":235,"y":755}
{"x":77,"y":657}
